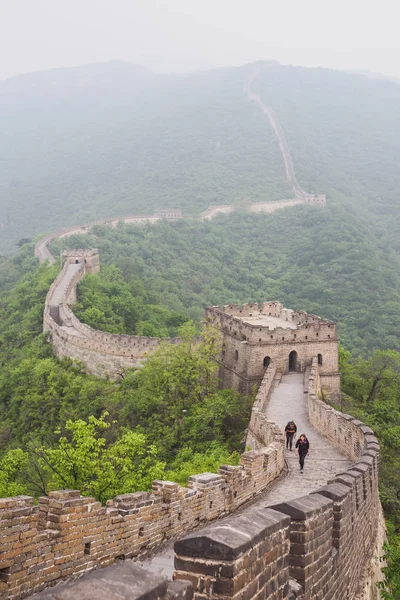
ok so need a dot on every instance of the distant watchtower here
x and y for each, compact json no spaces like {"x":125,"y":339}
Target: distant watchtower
{"x":169,"y":213}
{"x":90,"y":258}
{"x":255,"y":335}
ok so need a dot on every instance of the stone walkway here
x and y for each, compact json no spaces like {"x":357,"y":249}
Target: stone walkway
{"x":288,"y":402}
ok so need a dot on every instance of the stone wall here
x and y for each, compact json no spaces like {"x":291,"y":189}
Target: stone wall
{"x":334,"y":533}
{"x":103,"y":354}
{"x":43,"y":253}
{"x":67,"y":535}
{"x":246,"y":557}
{"x":259,"y":427}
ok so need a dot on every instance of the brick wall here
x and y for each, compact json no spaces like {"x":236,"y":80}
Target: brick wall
{"x":260,"y":429}
{"x":67,"y":535}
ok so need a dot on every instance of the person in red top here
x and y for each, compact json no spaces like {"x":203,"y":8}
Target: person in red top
{"x":290,"y":434}
{"x":303,"y":448}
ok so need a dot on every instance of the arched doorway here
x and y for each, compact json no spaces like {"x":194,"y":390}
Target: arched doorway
{"x":293,"y":361}
{"x":266,"y":362}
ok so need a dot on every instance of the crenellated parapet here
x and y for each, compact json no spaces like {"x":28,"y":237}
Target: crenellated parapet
{"x":254,"y":335}
{"x":66,"y":535}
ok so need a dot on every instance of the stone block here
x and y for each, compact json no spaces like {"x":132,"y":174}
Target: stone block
{"x":235,"y":536}
{"x":305,"y":507}
{"x":125,"y":581}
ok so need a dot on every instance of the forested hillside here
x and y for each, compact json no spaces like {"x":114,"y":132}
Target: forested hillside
{"x":113,"y":139}
{"x":307,"y":258}
{"x":169,"y":420}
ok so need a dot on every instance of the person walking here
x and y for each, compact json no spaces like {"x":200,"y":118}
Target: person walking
{"x":290,"y":434}
{"x":303,"y":448}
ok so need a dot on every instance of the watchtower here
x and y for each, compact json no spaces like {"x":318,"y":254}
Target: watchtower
{"x":90,"y":258}
{"x":255,"y":335}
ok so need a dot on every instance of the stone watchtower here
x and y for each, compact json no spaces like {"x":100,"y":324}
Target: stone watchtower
{"x":255,"y":335}
{"x":90,"y":258}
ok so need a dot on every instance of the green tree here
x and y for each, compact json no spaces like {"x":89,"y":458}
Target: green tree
{"x":85,"y":460}
{"x":10,"y":467}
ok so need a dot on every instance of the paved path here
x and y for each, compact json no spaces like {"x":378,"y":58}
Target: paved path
{"x":288,"y":402}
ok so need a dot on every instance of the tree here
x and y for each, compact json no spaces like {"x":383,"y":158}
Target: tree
{"x":85,"y":460}
{"x":10,"y":467}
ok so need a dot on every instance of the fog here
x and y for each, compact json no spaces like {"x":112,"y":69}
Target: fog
{"x":182,"y":35}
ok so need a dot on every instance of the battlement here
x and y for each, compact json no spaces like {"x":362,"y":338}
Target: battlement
{"x":80,"y":252}
{"x":169,"y":213}
{"x":67,"y":534}
{"x":270,"y":317}
{"x":254,"y":335}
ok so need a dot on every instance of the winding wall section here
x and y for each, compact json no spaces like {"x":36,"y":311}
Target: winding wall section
{"x":324,"y":545}
{"x":103,"y":354}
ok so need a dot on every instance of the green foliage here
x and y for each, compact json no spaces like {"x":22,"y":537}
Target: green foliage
{"x":86,"y":461}
{"x":390,"y":586}
{"x":53,"y":411}
{"x":110,"y":303}
{"x":372,"y":393}
{"x":172,"y":392}
{"x":188,"y":462}
{"x":10,"y":467}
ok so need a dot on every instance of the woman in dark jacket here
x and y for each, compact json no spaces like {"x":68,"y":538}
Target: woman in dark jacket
{"x":303,"y":447}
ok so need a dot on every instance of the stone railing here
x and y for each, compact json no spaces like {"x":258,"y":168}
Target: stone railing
{"x":260,"y":427}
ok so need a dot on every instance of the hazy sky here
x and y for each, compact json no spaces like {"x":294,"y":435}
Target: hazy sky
{"x":179,"y":35}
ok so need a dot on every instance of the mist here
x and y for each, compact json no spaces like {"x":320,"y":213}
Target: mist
{"x":187,"y":35}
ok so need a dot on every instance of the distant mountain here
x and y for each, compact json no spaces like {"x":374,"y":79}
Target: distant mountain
{"x":86,"y":76}
{"x":373,"y":75}
{"x":113,"y":138}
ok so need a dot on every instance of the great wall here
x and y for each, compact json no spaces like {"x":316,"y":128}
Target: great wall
{"x":260,"y":529}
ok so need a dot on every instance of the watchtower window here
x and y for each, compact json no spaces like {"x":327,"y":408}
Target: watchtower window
{"x":266,"y":361}
{"x":236,"y":355}
{"x":320,"y":359}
